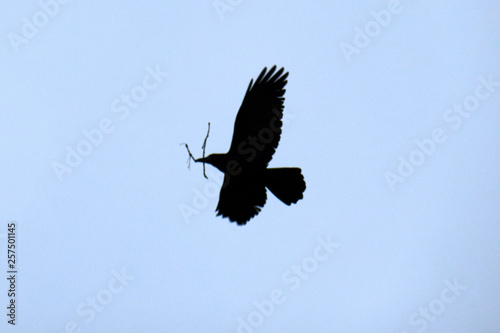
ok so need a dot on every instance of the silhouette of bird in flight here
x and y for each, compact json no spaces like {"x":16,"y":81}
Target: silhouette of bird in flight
{"x":257,"y":132}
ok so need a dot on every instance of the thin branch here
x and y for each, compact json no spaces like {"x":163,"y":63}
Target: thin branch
{"x":190,"y":155}
{"x":203,"y":147}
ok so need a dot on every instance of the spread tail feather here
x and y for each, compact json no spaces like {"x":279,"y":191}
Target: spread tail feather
{"x":287,"y":184}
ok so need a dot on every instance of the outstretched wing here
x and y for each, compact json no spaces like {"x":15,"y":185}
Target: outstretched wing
{"x":241,"y":198}
{"x":257,"y":128}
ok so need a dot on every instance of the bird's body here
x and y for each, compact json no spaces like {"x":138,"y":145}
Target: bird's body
{"x":257,"y":132}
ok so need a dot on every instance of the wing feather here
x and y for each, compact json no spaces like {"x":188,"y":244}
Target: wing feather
{"x":257,"y":128}
{"x":241,"y":198}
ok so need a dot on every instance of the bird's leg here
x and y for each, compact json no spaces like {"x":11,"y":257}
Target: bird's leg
{"x":203,"y":147}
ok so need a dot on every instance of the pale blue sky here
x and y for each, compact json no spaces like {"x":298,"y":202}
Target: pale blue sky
{"x":407,"y":91}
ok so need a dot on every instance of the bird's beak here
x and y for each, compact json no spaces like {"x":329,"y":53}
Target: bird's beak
{"x":204,"y":160}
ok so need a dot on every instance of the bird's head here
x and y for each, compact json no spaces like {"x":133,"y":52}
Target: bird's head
{"x":217,"y":160}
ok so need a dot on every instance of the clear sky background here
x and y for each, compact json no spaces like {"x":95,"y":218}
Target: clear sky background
{"x":392,"y":112}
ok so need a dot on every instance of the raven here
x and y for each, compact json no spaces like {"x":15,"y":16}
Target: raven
{"x":256,"y":135}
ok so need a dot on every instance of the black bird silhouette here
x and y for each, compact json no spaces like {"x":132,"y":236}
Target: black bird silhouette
{"x":257,"y":132}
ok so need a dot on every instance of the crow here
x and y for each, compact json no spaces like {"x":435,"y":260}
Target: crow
{"x":256,"y":135}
